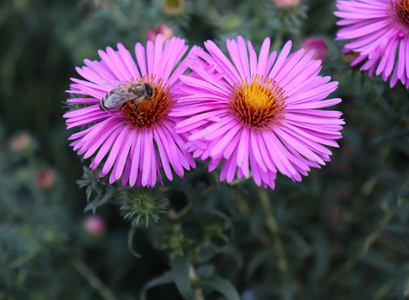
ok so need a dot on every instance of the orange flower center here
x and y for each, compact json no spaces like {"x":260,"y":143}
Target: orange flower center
{"x":149,"y":113}
{"x":400,"y":10}
{"x":258,"y":104}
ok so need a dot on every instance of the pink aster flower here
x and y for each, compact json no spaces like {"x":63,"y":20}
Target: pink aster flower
{"x":132,"y":141}
{"x":258,"y":115}
{"x":379,"y":32}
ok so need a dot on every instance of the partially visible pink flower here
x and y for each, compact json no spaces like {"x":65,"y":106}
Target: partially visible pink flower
{"x":319,"y":47}
{"x":379,"y":31}
{"x":127,"y":142}
{"x":45,"y":178}
{"x":286,"y":3}
{"x":95,"y":225}
{"x":21,"y":142}
{"x":164,"y":30}
{"x":257,"y":115}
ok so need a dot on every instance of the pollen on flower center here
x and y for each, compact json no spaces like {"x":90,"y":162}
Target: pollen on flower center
{"x":258,"y":103}
{"x":150,"y":112}
{"x":400,"y":10}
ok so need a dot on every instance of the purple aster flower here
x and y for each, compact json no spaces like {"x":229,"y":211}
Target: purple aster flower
{"x":260,"y":115}
{"x":132,"y":141}
{"x":379,"y":30}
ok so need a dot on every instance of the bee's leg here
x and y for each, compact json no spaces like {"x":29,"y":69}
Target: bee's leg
{"x":122,"y":106}
{"x":149,"y":98}
{"x":137,"y":108}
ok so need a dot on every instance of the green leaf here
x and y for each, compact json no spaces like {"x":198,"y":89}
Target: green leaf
{"x":262,"y":257}
{"x":300,"y":244}
{"x":180,"y":273}
{"x":205,"y":271}
{"x":228,"y":251}
{"x":222,"y":286}
{"x":234,"y":254}
{"x":398,"y":237}
{"x":321,"y":254}
{"x":380,"y":263}
{"x":6,"y":277}
{"x":165,"y":278}
{"x":97,"y":202}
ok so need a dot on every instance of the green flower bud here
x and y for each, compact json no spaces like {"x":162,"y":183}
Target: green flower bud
{"x":142,"y":205}
{"x":173,"y":7}
{"x":230,"y":23}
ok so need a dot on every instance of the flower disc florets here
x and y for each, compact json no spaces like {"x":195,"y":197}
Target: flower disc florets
{"x":149,"y":113}
{"x":400,"y":11}
{"x":258,"y":103}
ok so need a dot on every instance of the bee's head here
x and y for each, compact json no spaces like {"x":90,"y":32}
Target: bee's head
{"x":149,"y":89}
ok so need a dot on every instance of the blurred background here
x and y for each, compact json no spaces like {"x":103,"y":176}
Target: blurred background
{"x":342,"y":233}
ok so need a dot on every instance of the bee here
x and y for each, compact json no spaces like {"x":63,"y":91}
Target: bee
{"x":125,"y":91}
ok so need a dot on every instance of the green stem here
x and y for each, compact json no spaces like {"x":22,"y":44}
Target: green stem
{"x":379,"y":97}
{"x":92,"y":279}
{"x":273,"y":227}
{"x":197,"y":291}
{"x":279,"y":38}
{"x":22,"y":259}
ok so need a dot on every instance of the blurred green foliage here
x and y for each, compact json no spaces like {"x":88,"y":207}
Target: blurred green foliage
{"x":340,"y":234}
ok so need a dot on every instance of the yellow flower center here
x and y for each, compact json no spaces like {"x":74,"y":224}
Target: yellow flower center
{"x":149,"y":113}
{"x":258,"y":104}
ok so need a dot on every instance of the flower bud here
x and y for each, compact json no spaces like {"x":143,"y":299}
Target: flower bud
{"x":230,"y":23}
{"x":319,"y":46}
{"x":143,"y":205}
{"x":283,"y":4}
{"x":173,"y":7}
{"x":22,"y":143}
{"x":164,"y":30}
{"x":45,"y":178}
{"x":349,"y":56}
{"x":95,"y":225}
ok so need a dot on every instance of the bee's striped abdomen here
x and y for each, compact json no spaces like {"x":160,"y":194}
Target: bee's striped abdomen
{"x":104,"y":99}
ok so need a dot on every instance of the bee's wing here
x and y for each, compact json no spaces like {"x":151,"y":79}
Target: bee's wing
{"x":112,"y":83}
{"x":117,"y":99}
